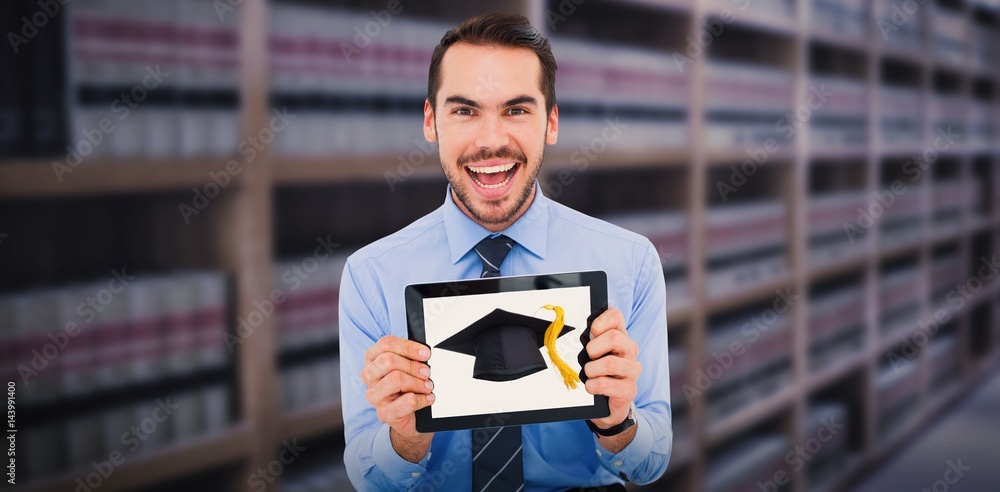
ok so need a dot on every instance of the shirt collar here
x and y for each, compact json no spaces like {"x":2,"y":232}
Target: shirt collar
{"x":530,"y":230}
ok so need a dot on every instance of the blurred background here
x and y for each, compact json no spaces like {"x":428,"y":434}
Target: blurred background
{"x":181,"y":182}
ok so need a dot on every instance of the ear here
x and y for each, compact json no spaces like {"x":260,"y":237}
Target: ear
{"x":430,"y":133}
{"x":552,"y":133}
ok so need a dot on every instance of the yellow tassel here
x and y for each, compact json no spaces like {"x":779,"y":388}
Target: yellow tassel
{"x":570,"y":377}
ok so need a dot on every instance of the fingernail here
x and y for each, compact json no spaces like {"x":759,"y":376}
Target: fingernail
{"x":428,"y":385}
{"x":424,"y":353}
{"x":430,"y":397}
{"x":425,"y":371}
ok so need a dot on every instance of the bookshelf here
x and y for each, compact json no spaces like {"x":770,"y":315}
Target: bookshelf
{"x":273,"y":211}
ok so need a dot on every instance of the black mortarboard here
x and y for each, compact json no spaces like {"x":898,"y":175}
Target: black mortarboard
{"x":505,"y":345}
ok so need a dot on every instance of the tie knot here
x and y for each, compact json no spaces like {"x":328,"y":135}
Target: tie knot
{"x":492,"y":252}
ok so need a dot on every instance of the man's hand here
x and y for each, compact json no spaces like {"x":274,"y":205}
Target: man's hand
{"x":613,"y":372}
{"x":399,"y":384}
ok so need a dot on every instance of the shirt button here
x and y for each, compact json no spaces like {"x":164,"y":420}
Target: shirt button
{"x":415,"y":474}
{"x":599,"y":453}
{"x":618,"y":463}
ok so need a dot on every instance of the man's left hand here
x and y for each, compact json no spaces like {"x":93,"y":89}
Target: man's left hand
{"x":614,"y":368}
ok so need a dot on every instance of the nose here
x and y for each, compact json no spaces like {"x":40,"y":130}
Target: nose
{"x":492,"y":134}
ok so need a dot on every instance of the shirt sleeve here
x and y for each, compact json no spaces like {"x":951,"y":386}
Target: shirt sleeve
{"x":371,"y":461}
{"x":645,"y":458}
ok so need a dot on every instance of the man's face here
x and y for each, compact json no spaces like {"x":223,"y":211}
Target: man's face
{"x":491,"y":129}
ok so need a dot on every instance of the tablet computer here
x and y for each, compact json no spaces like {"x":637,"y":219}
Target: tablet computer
{"x":490,"y":363}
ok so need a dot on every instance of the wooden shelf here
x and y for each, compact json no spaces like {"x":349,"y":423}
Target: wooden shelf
{"x":842,"y":155}
{"x":344,"y":169}
{"x":748,"y":295}
{"x":899,"y":251}
{"x":937,"y":238}
{"x":893,"y":340}
{"x":831,"y":39}
{"x":312,"y":421}
{"x":719,"y":158}
{"x":752,"y":414}
{"x":836,"y":371}
{"x":246,"y":235}
{"x":896,"y":151}
{"x":174,"y":460}
{"x":678,"y":6}
{"x":949,"y":65}
{"x":37,"y":179}
{"x":558,"y":160}
{"x":755,"y":20}
{"x":681,"y":315}
{"x":828,"y":271}
{"x":915,"y":57}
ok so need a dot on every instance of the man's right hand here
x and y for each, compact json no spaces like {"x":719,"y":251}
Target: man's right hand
{"x":399,"y":384}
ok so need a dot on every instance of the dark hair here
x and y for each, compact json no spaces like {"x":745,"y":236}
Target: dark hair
{"x":502,"y":30}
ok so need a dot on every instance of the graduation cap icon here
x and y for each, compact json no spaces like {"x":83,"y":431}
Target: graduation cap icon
{"x":505,"y":344}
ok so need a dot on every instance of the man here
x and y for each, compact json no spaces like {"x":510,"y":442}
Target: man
{"x":491,"y":108}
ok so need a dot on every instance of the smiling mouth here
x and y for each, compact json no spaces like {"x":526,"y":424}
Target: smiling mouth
{"x":493,"y":177}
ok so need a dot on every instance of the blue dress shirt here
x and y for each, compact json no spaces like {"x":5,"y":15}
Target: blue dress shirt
{"x":550,"y":238}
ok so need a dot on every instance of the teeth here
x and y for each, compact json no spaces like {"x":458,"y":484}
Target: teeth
{"x":499,"y":168}
{"x":493,"y":186}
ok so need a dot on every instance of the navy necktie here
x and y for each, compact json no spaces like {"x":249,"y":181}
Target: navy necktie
{"x":497,"y":464}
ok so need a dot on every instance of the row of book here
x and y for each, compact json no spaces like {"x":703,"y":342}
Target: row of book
{"x":131,"y":429}
{"x":829,"y":243}
{"x":841,"y":122}
{"x":902,"y":223}
{"x":985,"y":54}
{"x":944,"y":363}
{"x":899,"y":298}
{"x":358,"y":87}
{"x":745,"y":103}
{"x":845,"y":19}
{"x":121,"y":331}
{"x":670,"y":234}
{"x":644,"y":89}
{"x":309,"y":384}
{"x":946,"y":272}
{"x":948,"y":33}
{"x":311,"y":288}
{"x":746,"y":245}
{"x":897,"y":394}
{"x":897,"y":30}
{"x":749,"y":462}
{"x":900,"y":121}
{"x":826,"y":464}
{"x":127,"y":78}
{"x":356,"y":80}
{"x":836,"y":325}
{"x":952,"y":199}
{"x":983,"y":126}
{"x":781,"y":9}
{"x":759,"y":365}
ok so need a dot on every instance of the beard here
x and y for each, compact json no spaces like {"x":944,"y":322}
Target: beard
{"x":500,"y":211}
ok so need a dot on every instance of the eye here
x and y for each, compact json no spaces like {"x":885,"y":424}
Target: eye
{"x":463,"y":111}
{"x":517,"y":111}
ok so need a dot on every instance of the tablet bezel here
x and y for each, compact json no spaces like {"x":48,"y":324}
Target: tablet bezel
{"x":415,"y":294}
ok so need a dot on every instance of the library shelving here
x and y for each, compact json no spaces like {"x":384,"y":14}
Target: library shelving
{"x":854,"y":212}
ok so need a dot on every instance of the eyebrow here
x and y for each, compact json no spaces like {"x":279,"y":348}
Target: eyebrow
{"x":464,"y":101}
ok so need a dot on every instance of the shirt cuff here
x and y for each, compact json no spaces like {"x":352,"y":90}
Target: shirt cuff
{"x":395,"y":468}
{"x":623,"y":463}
